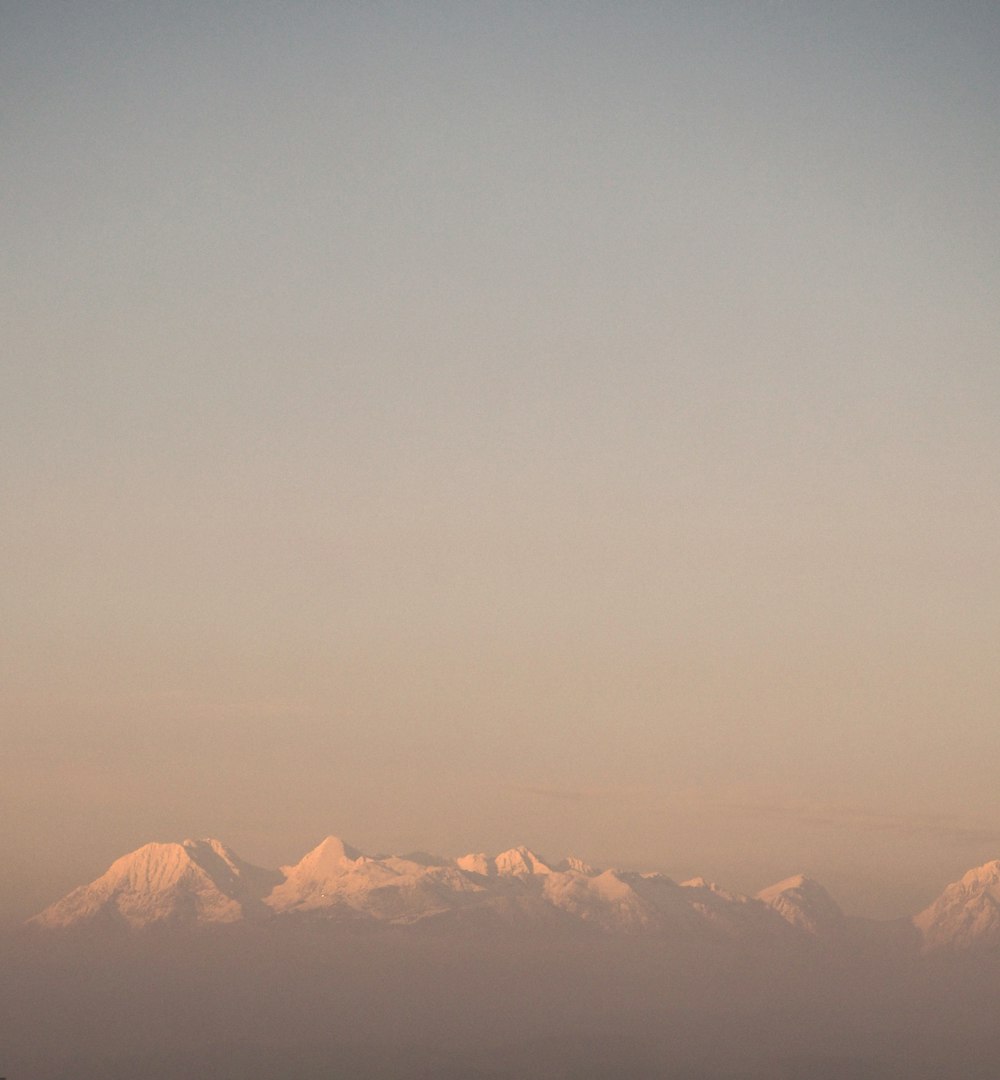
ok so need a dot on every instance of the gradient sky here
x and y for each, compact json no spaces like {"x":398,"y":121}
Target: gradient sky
{"x":452,"y":425}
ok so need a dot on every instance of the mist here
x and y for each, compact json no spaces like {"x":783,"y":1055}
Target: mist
{"x":309,"y":1002}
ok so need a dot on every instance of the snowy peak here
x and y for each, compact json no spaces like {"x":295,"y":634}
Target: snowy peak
{"x":330,"y":857}
{"x":202,"y":881}
{"x":520,"y":862}
{"x":966,"y":914}
{"x":515,"y":862}
{"x":155,"y":867}
{"x":320,"y":877}
{"x":192,"y":881}
{"x":571,"y":862}
{"x":476,"y":863}
{"x":699,"y":883}
{"x":986,"y":876}
{"x":805,"y":904}
{"x":196,"y":882}
{"x":337,"y":881}
{"x":792,"y":884}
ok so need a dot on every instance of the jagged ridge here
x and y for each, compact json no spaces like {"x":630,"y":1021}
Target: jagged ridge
{"x":204,"y":882}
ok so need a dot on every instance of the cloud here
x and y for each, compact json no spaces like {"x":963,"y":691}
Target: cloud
{"x":859,"y":819}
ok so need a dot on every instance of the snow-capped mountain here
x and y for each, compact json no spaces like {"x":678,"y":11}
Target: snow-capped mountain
{"x":204,"y":882}
{"x":334,"y":880}
{"x":196,"y":881}
{"x":966,"y":914}
{"x":805,"y":904}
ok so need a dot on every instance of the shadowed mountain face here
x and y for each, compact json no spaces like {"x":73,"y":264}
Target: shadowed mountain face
{"x":807,"y":905}
{"x":183,"y":960}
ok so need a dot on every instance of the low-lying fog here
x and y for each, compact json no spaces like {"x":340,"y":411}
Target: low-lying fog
{"x":304,"y":1002}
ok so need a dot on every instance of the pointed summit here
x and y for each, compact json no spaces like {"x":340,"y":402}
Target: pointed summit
{"x":982,"y":877}
{"x":339,"y":882}
{"x":805,"y":904}
{"x":966,"y":914}
{"x":571,"y":862}
{"x":327,"y":877}
{"x":515,"y":862}
{"x":520,"y":862}
{"x":193,"y":881}
{"x":330,"y":856}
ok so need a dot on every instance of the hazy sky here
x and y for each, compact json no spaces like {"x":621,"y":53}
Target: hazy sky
{"x":462,"y":424}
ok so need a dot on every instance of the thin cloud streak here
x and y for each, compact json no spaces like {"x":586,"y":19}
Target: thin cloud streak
{"x":945,"y":826}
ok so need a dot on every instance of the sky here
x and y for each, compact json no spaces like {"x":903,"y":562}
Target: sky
{"x":455,"y":425}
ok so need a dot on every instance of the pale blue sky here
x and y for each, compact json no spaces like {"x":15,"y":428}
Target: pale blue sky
{"x":458,"y":425}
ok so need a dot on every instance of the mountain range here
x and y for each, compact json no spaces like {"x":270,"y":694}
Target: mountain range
{"x":203,"y":882}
